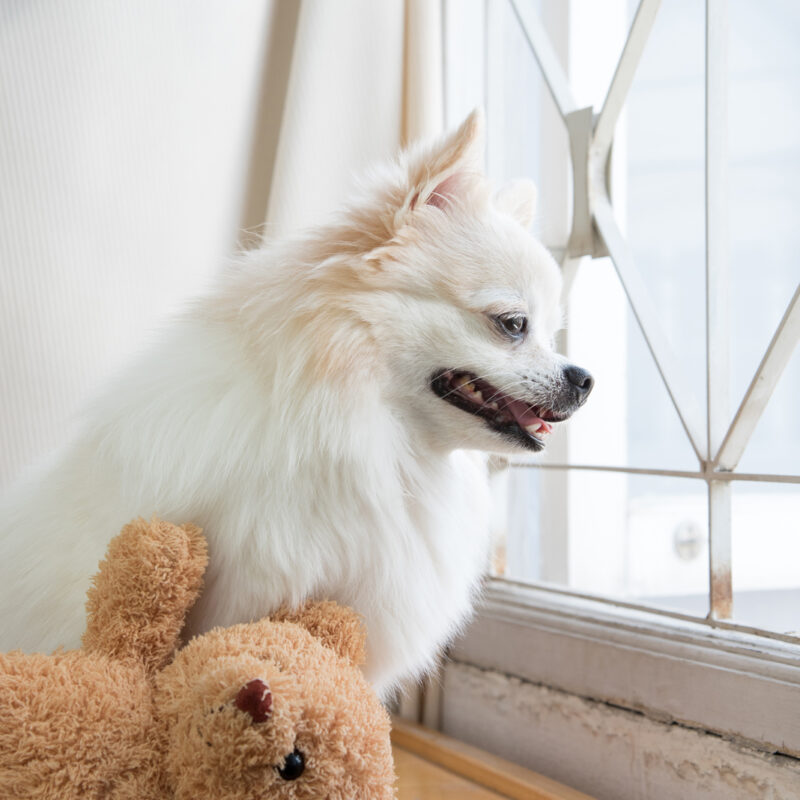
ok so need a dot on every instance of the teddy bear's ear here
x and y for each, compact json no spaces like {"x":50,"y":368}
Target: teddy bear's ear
{"x":335,"y":626}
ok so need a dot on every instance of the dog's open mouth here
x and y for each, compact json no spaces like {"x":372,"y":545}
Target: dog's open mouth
{"x":514,"y":418}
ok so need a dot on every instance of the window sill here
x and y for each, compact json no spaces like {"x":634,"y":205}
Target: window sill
{"x":727,"y":681}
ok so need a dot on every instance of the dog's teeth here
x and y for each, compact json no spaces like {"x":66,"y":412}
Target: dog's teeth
{"x":466,"y":387}
{"x":493,"y":405}
{"x":535,"y":427}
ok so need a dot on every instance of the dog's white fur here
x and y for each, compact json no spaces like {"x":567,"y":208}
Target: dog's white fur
{"x":289,"y":413}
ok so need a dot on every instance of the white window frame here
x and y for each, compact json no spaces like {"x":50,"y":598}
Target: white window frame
{"x":711,"y":674}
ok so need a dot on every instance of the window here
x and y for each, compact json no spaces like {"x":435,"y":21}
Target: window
{"x":661,"y":531}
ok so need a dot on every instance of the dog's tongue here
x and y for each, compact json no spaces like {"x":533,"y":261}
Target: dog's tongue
{"x":526,"y":416}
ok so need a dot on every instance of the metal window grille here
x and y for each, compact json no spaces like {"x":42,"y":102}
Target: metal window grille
{"x":595,"y":232}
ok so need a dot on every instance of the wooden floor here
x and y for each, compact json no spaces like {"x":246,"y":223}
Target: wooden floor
{"x":418,"y":779}
{"x":431,"y":766}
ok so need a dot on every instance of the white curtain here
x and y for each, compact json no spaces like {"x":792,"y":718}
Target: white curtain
{"x":366,"y":78}
{"x":138,"y":139}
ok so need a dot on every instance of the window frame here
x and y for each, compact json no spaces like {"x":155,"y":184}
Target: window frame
{"x":719,"y":676}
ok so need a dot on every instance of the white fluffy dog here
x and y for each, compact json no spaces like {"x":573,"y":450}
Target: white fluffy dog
{"x":314,"y":414}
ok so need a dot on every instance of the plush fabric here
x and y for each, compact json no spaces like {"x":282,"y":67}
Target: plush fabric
{"x":271,"y":709}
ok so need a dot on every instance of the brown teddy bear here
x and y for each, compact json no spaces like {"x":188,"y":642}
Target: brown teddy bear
{"x":271,"y":709}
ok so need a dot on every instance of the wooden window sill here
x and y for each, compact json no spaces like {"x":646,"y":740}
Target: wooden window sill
{"x":432,"y":766}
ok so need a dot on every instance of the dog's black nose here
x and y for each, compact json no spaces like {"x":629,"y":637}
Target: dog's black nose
{"x":581,"y":381}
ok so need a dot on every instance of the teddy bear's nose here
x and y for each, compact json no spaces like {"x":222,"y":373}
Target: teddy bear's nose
{"x":255,"y":699}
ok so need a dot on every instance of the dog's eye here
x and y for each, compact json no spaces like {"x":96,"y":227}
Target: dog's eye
{"x":293,"y":766}
{"x":513,"y":325}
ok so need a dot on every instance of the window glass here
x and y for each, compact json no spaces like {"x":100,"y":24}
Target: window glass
{"x":764,"y":204}
{"x":766,"y":554}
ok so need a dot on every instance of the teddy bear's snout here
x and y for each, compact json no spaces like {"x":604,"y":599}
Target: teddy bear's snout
{"x":255,"y":699}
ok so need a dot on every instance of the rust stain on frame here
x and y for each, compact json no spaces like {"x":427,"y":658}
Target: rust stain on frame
{"x":721,"y":599}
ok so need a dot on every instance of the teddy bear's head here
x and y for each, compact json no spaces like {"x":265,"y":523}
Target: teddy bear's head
{"x":270,"y":710}
{"x":277,"y":709}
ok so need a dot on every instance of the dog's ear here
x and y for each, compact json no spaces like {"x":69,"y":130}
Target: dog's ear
{"x":518,"y":200}
{"x":436,"y":177}
{"x":443,"y":173}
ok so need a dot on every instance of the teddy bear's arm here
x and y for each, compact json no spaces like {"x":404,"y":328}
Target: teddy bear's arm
{"x":138,"y":601}
{"x":338,"y":627}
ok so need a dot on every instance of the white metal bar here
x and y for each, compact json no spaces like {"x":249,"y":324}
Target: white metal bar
{"x":553,"y":73}
{"x":486,"y":99}
{"x":554,"y":168}
{"x":716,"y":201}
{"x":623,"y":76}
{"x":679,"y":389}
{"x":445,"y":54}
{"x":717,"y":304}
{"x":756,"y":477}
{"x":727,"y":477}
{"x":760,"y":390}
{"x":720,"y":517}
{"x":670,"y":473}
{"x":494,"y":87}
{"x":554,"y":515}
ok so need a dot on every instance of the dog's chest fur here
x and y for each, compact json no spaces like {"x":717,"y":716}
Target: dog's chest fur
{"x":349,"y":507}
{"x":407,"y":558}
